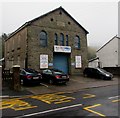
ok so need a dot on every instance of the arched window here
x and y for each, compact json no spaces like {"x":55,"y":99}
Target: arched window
{"x":67,"y":42}
{"x":56,"y":39}
{"x":61,"y":39}
{"x":43,"y":38}
{"x":77,"y":42}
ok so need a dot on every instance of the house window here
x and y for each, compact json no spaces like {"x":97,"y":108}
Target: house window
{"x":67,"y":40}
{"x":61,"y":39}
{"x":77,"y":42}
{"x":43,"y":38}
{"x":56,"y":39}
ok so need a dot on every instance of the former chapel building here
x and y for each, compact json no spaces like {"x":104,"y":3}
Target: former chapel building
{"x":53,"y":40}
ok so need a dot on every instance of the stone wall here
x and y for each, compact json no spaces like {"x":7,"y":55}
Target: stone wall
{"x":15,"y":49}
{"x":57,"y":22}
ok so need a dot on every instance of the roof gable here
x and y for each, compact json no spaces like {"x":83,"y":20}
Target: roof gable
{"x":61,"y":9}
{"x":31,"y":21}
{"x":107,"y":43}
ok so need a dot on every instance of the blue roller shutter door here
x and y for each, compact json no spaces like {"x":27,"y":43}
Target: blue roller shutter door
{"x":60,"y":61}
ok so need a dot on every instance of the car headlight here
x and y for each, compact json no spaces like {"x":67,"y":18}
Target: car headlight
{"x":107,"y":75}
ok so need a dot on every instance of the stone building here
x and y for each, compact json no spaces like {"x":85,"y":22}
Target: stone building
{"x":53,"y":40}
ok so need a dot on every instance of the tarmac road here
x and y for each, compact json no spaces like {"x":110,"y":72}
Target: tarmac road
{"x":102,"y":101}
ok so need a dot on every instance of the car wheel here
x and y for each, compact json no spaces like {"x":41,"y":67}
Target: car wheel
{"x":51,"y":81}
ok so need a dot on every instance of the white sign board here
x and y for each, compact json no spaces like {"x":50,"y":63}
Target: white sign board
{"x":66,"y":49}
{"x":43,"y":61}
{"x":78,"y":62}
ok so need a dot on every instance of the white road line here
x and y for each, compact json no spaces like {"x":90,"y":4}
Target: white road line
{"x":44,"y":84}
{"x":113,"y":97}
{"x":4,"y":96}
{"x":43,"y":112}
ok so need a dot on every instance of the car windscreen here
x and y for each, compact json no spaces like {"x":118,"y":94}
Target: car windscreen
{"x":102,"y":70}
{"x":31,"y":71}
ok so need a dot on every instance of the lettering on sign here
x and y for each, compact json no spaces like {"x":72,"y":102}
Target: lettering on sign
{"x":78,"y":63}
{"x":43,"y":61}
{"x":65,"y":49}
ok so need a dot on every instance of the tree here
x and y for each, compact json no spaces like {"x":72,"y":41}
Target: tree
{"x":91,"y":52}
{"x":2,"y":39}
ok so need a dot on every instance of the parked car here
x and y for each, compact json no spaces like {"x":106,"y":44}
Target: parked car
{"x":53,"y":76}
{"x":97,"y":73}
{"x":30,"y":76}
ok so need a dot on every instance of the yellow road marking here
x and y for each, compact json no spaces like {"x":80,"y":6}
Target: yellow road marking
{"x":89,"y":96}
{"x":116,"y":100}
{"x":53,"y":98}
{"x":62,"y":102}
{"x":29,"y":96}
{"x":15,"y":105}
{"x":88,"y":109}
{"x":19,"y":104}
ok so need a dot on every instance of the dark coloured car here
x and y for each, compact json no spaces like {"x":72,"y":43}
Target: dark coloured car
{"x":30,"y":76}
{"x":97,"y":73}
{"x":53,"y":76}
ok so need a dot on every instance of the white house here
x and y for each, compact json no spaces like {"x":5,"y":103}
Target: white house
{"x":94,"y":62}
{"x":119,"y":18}
{"x":109,"y":54}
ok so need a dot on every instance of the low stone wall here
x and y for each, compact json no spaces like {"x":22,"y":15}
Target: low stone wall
{"x":113,"y":70}
{"x":0,"y":78}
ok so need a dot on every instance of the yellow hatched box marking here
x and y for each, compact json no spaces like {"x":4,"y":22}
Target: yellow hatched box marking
{"x":53,"y":98}
{"x":15,"y":104}
{"x":88,"y":96}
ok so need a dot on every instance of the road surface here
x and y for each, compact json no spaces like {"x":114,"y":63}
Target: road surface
{"x":102,"y":101}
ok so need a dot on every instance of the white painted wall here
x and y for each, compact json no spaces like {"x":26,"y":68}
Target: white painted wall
{"x":119,"y":52}
{"x":119,"y":19}
{"x":93,"y":64}
{"x":108,"y":55}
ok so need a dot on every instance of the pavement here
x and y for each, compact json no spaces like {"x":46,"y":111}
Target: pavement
{"x":76,"y":83}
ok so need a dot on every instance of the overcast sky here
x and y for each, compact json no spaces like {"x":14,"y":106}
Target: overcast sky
{"x":100,"y":19}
